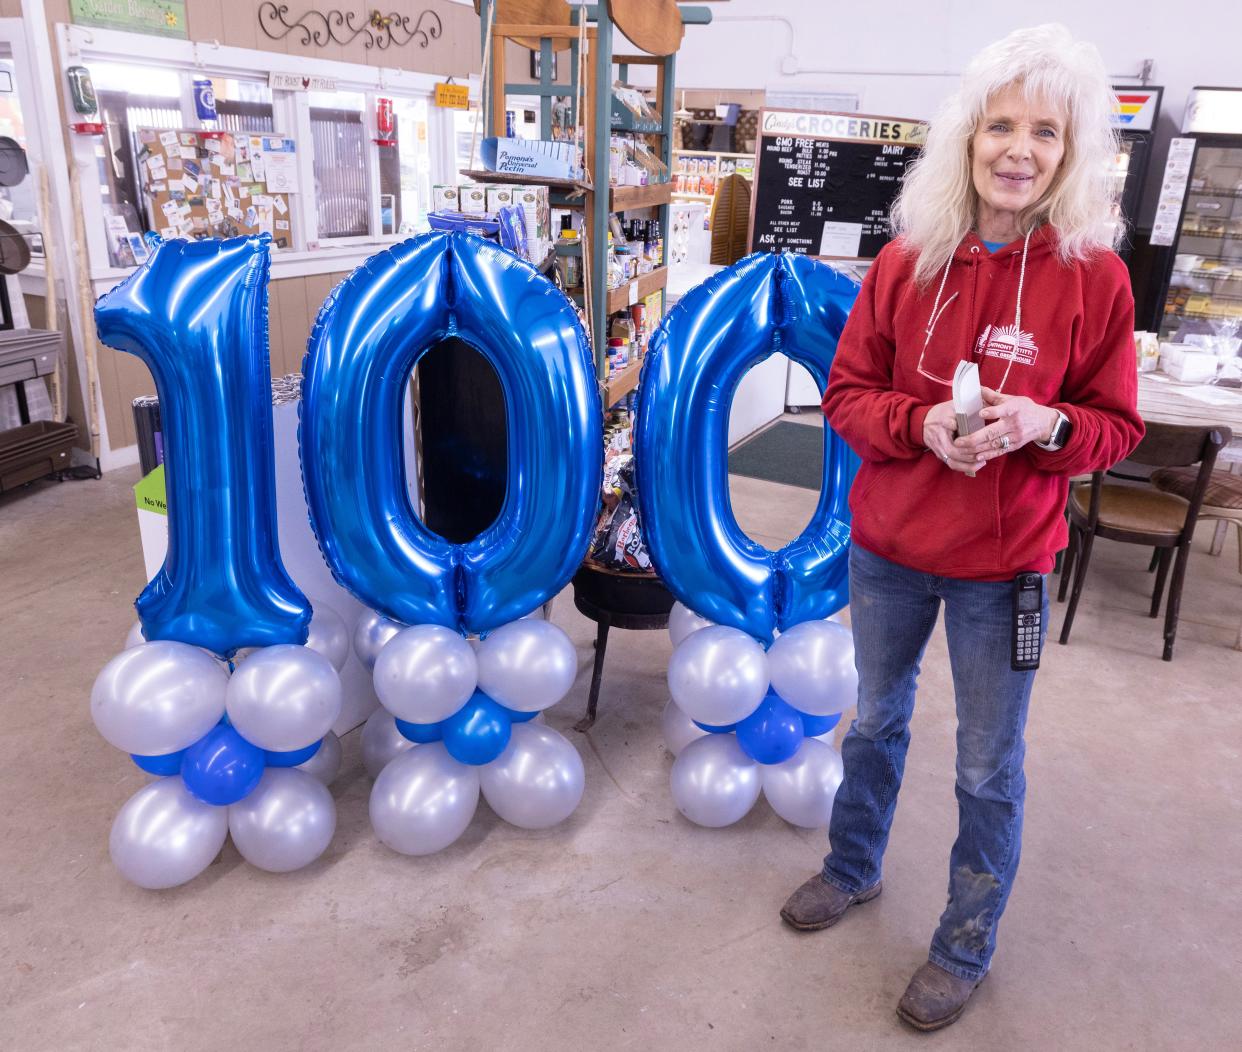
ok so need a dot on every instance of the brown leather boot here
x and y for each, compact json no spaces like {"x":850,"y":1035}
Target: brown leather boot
{"x":935,"y":998}
{"x":817,"y":904}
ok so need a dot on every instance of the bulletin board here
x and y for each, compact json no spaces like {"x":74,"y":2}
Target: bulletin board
{"x":201,"y":184}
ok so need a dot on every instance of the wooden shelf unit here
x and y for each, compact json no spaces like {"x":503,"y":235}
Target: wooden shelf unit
{"x":600,"y":70}
{"x":622,"y":383}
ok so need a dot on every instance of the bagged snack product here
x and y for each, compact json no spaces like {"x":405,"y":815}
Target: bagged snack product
{"x":618,"y":543}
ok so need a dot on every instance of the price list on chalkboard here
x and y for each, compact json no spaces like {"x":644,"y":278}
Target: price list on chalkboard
{"x":824,"y":182}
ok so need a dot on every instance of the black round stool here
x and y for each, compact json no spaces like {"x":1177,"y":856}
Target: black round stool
{"x":613,"y":599}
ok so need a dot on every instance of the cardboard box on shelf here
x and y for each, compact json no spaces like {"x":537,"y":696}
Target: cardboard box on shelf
{"x":444,"y":197}
{"x":500,"y":195}
{"x":534,"y":202}
{"x":472,"y":198}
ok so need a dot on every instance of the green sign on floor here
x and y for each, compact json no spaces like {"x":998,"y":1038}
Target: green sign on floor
{"x":161,"y":17}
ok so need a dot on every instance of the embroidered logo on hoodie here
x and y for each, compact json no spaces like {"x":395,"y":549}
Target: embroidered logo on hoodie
{"x":997,"y":341}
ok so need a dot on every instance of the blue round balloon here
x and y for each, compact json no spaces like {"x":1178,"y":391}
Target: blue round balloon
{"x":291,"y":758}
{"x":716,"y":729}
{"x":814,"y":726}
{"x":763,"y":304}
{"x":370,"y":334}
{"x":772,"y":733}
{"x":478,"y":732}
{"x":196,"y":314}
{"x":222,"y":767}
{"x":516,"y":716}
{"x":164,"y":765}
{"x":422,"y":733}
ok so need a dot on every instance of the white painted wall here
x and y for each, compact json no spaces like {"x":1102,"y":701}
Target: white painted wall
{"x":903,"y":57}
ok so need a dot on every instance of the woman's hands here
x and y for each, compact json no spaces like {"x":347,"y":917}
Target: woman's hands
{"x":1016,"y":420}
{"x":939,"y":427}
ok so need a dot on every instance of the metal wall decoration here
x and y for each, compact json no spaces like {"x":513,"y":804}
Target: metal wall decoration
{"x":322,"y":28}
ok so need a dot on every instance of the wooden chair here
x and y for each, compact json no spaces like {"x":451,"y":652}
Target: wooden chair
{"x":1144,"y":515}
{"x":1222,"y":501}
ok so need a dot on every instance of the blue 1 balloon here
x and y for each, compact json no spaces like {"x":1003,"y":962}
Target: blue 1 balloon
{"x":196,"y":314}
{"x":369,"y":336}
{"x":763,"y":304}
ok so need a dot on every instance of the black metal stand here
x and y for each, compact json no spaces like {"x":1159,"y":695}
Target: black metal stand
{"x":611,"y":599}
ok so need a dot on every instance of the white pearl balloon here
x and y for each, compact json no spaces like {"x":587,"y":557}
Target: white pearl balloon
{"x":425,"y":673}
{"x":718,"y":675}
{"x":714,"y":783}
{"x":381,"y":741}
{"x":527,"y":665}
{"x":163,"y":836}
{"x":329,"y":636}
{"x":134,"y":637}
{"x":325,"y":765}
{"x":284,"y":697}
{"x":802,"y":789}
{"x":679,"y":729}
{"x":537,"y":781}
{"x":285,"y":823}
{"x":682,"y":622}
{"x":371,"y":632}
{"x":423,"y":800}
{"x":812,"y":667}
{"x":159,"y":697}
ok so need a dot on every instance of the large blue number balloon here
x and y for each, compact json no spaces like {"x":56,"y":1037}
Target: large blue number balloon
{"x":368,"y":337}
{"x":763,"y":304}
{"x":196,"y":314}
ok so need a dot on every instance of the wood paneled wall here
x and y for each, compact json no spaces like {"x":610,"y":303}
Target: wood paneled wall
{"x":293,"y":304}
{"x":235,"y":23}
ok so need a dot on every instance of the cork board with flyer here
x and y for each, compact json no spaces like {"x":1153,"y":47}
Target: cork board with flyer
{"x":217,"y":184}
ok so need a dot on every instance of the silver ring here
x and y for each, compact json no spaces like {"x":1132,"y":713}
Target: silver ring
{"x":1004,"y":443}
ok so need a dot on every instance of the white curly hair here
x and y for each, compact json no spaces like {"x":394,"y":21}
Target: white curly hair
{"x":937,"y":204}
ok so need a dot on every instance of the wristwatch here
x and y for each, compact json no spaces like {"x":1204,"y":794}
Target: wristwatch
{"x":1061,"y":432}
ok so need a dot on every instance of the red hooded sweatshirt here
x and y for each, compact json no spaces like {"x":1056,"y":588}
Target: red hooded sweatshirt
{"x":1075,"y":352}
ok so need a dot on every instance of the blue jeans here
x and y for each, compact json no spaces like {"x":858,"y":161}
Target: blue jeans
{"x":893,"y":610}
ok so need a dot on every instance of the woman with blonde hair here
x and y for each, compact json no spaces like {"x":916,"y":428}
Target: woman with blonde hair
{"x":1003,"y":257}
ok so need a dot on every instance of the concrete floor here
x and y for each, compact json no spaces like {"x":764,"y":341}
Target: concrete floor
{"x":627,"y":927}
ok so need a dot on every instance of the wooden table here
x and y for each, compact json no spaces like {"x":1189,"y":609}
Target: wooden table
{"x":1167,"y":401}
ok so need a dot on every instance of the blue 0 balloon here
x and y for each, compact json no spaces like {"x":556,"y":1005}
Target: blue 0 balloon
{"x":761,"y":305}
{"x":369,"y":336}
{"x":196,"y":314}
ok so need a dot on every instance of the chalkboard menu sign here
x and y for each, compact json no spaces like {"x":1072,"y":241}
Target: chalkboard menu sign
{"x":824,"y":182}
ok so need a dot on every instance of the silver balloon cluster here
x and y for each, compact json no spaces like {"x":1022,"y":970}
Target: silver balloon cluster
{"x":719,"y":678}
{"x":247,"y":752}
{"x":459,"y":719}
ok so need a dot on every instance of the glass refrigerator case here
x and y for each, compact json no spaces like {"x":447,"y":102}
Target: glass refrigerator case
{"x":1134,"y":117}
{"x":1203,"y":296}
